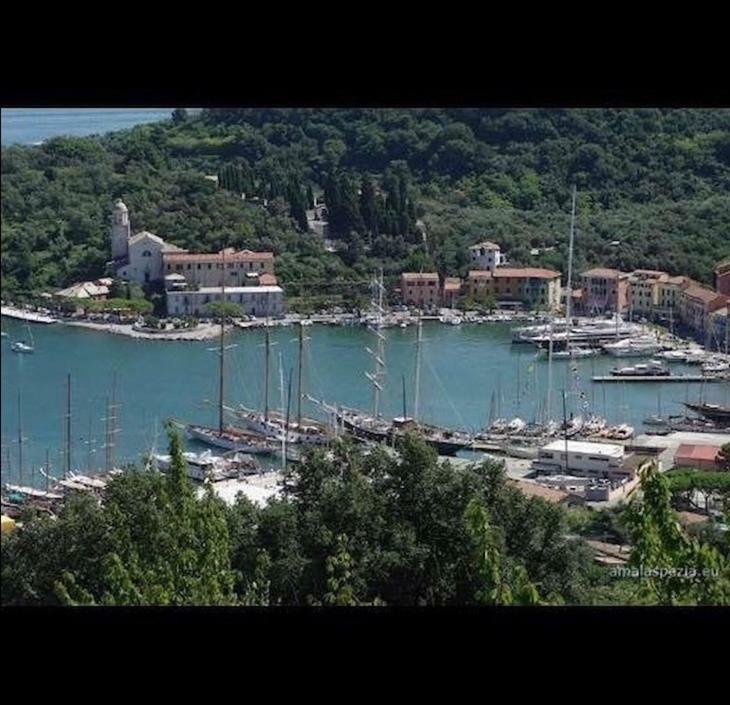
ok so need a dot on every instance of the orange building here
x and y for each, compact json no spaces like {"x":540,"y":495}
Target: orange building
{"x":722,"y":277}
{"x":535,"y":287}
{"x":696,"y":303}
{"x":451,"y":291}
{"x":207,"y":269}
{"x":420,"y":289}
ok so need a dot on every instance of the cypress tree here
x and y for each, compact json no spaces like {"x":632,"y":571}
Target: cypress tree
{"x":369,"y":206}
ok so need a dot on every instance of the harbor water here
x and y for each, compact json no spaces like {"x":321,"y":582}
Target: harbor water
{"x":468,"y":373}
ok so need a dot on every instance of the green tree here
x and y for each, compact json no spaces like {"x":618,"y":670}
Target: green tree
{"x":224,"y":309}
{"x":698,"y":574}
{"x":179,"y":115}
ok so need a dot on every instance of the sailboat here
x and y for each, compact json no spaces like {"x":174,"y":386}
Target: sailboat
{"x":229,"y":437}
{"x":443,"y":440}
{"x":20,"y":346}
{"x":274,"y":424}
{"x":363,"y":426}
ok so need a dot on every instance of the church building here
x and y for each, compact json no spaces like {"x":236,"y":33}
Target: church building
{"x":137,"y":257}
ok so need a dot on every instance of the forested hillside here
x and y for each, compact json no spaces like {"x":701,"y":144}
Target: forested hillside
{"x":406,"y":189}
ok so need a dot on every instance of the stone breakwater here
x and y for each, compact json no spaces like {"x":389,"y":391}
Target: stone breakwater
{"x":205,"y":331}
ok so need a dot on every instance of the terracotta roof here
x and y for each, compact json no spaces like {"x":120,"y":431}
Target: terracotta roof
{"x":230,"y":256}
{"x":691,"y":451}
{"x":452,"y":284}
{"x":516,"y":272}
{"x":419,"y":276}
{"x":487,"y":245}
{"x":532,"y":489}
{"x":707,"y":296}
{"x":723,"y":266}
{"x":267,"y":279}
{"x":681,"y":280}
{"x":603,"y":272}
{"x":650,"y":274}
{"x":144,"y":234}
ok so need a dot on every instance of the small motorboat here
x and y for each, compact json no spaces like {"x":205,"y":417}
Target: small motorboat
{"x":20,"y":346}
{"x":651,"y":369}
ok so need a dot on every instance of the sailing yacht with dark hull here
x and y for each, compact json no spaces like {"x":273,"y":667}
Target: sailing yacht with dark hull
{"x":714,"y":412}
{"x":226,"y":436}
{"x":274,"y":424}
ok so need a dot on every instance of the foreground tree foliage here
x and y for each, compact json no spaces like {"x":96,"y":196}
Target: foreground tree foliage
{"x":700,"y":572}
{"x":352,"y":527}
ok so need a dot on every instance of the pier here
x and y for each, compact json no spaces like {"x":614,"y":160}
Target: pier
{"x":23,"y":315}
{"x":656,"y":378}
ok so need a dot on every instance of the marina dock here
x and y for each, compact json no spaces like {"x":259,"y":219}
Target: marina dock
{"x":656,"y":378}
{"x":23,"y":315}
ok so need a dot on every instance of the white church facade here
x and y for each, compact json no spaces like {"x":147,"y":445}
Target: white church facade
{"x":137,"y":257}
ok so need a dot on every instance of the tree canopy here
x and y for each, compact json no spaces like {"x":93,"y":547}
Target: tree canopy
{"x":400,"y":186}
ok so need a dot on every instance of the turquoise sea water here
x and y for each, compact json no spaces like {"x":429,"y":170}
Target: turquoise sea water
{"x":32,"y":125}
{"x":463,"y":369}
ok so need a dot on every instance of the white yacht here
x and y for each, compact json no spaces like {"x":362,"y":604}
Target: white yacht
{"x":633,"y":347}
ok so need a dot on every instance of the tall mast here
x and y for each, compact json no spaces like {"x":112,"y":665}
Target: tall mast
{"x":266,"y":373}
{"x":376,"y":377}
{"x":281,"y":393}
{"x":550,"y":371}
{"x":88,"y":448}
{"x":569,"y":291}
{"x":405,"y":414}
{"x":113,"y":421}
{"x":418,"y":371}
{"x":220,"y":365}
{"x":299,"y":378}
{"x":20,"y":444}
{"x":108,"y":443}
{"x":48,"y":468}
{"x":68,"y":425}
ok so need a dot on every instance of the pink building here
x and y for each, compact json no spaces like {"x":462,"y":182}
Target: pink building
{"x":604,"y":290}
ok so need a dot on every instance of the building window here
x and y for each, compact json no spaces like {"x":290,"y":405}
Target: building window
{"x":146,"y":253}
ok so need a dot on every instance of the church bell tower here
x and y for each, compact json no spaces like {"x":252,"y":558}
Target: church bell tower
{"x":120,"y":231}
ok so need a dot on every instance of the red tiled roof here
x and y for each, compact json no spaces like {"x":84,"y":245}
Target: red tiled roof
{"x":681,"y":280}
{"x":691,"y":451}
{"x":230,"y":256}
{"x":651,"y":274}
{"x":266,"y":279}
{"x":419,"y":276}
{"x":707,"y":296}
{"x":452,"y":284}
{"x":516,"y":272}
{"x":603,"y":273}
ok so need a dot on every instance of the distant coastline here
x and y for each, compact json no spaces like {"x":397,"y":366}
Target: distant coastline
{"x":33,"y":126}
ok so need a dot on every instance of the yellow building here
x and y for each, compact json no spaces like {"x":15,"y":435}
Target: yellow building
{"x":644,"y":290}
{"x":534,"y":287}
{"x":668,"y":293}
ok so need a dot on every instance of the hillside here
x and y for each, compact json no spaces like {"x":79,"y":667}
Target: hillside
{"x":658,"y":181}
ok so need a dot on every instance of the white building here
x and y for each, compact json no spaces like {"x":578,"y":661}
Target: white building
{"x":260,"y":301}
{"x":584,"y":459}
{"x":136,"y":257}
{"x":486,"y":256}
